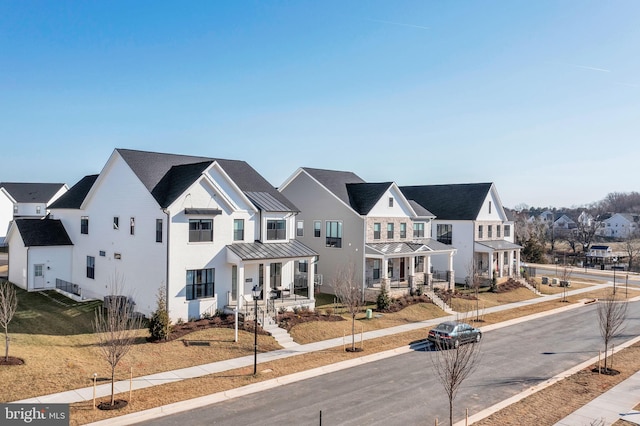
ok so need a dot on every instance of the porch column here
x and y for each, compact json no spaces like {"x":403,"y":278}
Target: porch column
{"x":385,"y":274}
{"x":412,"y":272}
{"x":500,"y":263}
{"x":518,"y":262}
{"x":427,"y":271}
{"x":491,"y":266}
{"x":452,"y":277}
{"x":240,"y":289}
{"x":511,"y":263}
{"x":311,"y":267}
{"x":267,"y":282}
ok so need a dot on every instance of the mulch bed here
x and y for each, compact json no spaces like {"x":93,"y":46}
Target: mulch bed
{"x":219,"y":321}
{"x":404,"y":301}
{"x":11,"y":361}
{"x":288,"y":319}
{"x":117,"y":404}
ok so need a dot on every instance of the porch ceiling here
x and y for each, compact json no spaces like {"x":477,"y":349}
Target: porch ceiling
{"x":400,"y":249}
{"x":490,"y":246}
{"x":260,"y":251}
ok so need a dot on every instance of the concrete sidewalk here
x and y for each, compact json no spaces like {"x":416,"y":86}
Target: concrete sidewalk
{"x":617,"y":403}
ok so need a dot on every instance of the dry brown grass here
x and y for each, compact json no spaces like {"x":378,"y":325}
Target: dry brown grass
{"x":60,"y":363}
{"x":488,"y":299}
{"x":316,"y":331}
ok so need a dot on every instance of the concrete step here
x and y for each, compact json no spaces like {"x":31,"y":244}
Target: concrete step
{"x":281,"y":335}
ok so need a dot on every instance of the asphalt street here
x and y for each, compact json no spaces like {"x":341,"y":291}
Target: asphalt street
{"x":404,"y":390}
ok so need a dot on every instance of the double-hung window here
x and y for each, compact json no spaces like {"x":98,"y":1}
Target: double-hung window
{"x":317,"y":228}
{"x":403,"y":230}
{"x":444,"y":232}
{"x":334,"y":233}
{"x":418,"y":230}
{"x":84,"y":225}
{"x":390,"y":230}
{"x":480,"y":231}
{"x":200,"y":283}
{"x":376,"y":231}
{"x":200,"y":230}
{"x":276,"y":229}
{"x":158,"y":230}
{"x":507,"y":230}
{"x":91,"y":267}
{"x":490,"y":231}
{"x":498,"y":231}
{"x":300,"y":228}
{"x":238,"y":229}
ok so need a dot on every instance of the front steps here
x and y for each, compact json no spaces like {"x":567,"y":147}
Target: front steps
{"x":280,"y":334}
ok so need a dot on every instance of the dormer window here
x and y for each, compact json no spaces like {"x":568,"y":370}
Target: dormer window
{"x":489,"y":207}
{"x":390,"y":201}
{"x":276,"y":229}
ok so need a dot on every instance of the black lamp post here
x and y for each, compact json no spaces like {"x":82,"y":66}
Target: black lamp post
{"x":255,"y":292}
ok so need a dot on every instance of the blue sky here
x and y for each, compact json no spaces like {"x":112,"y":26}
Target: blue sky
{"x":540,"y":97}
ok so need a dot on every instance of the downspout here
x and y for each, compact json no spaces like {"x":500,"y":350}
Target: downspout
{"x":27,"y":283}
{"x":166,"y":281}
{"x":364,"y":255}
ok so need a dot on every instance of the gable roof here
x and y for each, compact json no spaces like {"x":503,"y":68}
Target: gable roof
{"x":335,"y":181}
{"x":450,"y":202}
{"x":167,"y":176}
{"x":42,"y":232}
{"x":364,"y":196}
{"x":31,"y":192}
{"x":73,"y":198}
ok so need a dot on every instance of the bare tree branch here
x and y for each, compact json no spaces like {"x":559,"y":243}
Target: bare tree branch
{"x":612,"y":315}
{"x":349,"y":294}
{"x":453,"y":365}
{"x":8,"y":307}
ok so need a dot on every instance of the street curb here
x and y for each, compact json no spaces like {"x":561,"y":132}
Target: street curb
{"x":190,"y":404}
{"x":540,"y":386}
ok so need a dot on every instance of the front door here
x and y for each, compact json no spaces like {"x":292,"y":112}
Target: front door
{"x":38,"y":277}
{"x":276,"y":275}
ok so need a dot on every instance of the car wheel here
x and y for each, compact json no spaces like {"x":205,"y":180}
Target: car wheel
{"x":456,"y":344}
{"x":478,"y":337}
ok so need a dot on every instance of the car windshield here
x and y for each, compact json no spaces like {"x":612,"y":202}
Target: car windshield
{"x":445,"y":327}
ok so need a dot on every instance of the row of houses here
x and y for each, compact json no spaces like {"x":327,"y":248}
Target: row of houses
{"x":615,"y":226}
{"x":209,"y":231}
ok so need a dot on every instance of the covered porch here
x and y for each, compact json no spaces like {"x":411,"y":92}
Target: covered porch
{"x":501,"y":256}
{"x":402,"y":268}
{"x":283,"y":272}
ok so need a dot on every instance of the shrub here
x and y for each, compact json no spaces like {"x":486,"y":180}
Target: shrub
{"x":160,"y":323}
{"x":383,"y":300}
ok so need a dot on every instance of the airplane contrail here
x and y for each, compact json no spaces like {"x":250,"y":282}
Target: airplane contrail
{"x":590,"y":68}
{"x":400,"y":24}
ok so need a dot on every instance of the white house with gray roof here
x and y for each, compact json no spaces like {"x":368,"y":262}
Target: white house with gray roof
{"x":620,"y":226}
{"x":370,"y":227}
{"x":26,"y":199}
{"x":471,"y":218}
{"x":206,"y":230}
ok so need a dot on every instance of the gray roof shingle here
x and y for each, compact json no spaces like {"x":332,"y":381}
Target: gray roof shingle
{"x":450,"y":202}
{"x":31,"y":192}
{"x":73,"y":198}
{"x":167,"y":176}
{"x":364,"y":196}
{"x":43,"y":232}
{"x":335,"y":181}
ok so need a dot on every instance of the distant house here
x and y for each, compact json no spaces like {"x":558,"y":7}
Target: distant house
{"x":470,"y":217}
{"x":206,"y":230}
{"x":621,"y":226}
{"x":601,"y":254}
{"x":369,"y":227}
{"x":19,"y":199}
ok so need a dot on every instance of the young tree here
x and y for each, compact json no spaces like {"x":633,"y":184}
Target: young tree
{"x":632,"y":249}
{"x":160,"y":323}
{"x":8,"y":306}
{"x":349,"y":293}
{"x":116,"y":327}
{"x":612,"y":314}
{"x":565,"y":276}
{"x":453,"y":366}
{"x":474,"y":281}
